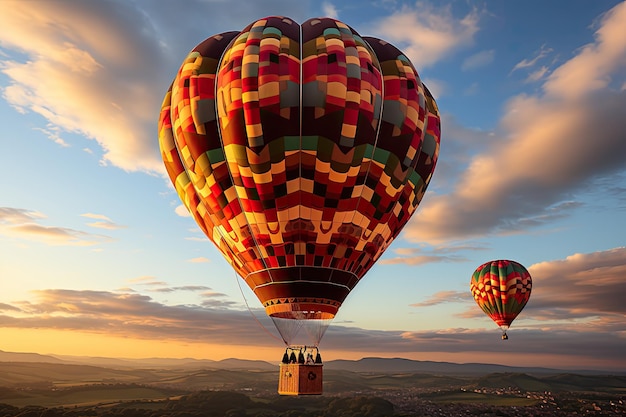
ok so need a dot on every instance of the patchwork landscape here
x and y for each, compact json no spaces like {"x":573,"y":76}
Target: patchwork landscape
{"x":36,"y":385}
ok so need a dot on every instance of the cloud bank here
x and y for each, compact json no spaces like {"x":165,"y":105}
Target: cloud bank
{"x":576,"y":311}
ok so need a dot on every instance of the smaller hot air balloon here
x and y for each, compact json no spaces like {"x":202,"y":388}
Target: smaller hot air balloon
{"x":501,"y":288}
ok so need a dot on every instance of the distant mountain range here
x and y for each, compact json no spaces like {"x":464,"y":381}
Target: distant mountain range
{"x":372,"y":364}
{"x":27,"y":357}
{"x":446,"y":368}
{"x":136,"y":363}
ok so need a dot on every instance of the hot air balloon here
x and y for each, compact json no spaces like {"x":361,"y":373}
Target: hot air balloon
{"x":501,"y":288}
{"x":301,"y":151}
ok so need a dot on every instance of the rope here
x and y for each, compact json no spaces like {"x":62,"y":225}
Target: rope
{"x":252,"y":313}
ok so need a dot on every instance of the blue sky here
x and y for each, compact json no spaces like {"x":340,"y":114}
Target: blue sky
{"x":98,"y":258}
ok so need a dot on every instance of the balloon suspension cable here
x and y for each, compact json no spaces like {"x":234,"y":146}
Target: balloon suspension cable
{"x":254,"y":315}
{"x":504,"y":335}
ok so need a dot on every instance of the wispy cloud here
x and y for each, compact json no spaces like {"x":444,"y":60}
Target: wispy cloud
{"x":96,"y":216}
{"x":420,"y":259}
{"x":193,"y":288}
{"x":442,"y":297}
{"x":25,"y":224}
{"x":103,"y":223}
{"x":142,"y":279}
{"x":152,"y":285}
{"x":421,"y":256}
{"x":8,"y":307}
{"x":537,"y":75}
{"x":54,"y":134}
{"x":478,"y":60}
{"x":528,"y":63}
{"x":10,"y":215}
{"x":330,"y":10}
{"x":200,"y":259}
{"x":197,"y":239}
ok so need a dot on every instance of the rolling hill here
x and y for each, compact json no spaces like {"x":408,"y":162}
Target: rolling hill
{"x":370,"y":364}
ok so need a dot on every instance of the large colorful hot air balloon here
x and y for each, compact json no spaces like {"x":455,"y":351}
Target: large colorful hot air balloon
{"x":501,"y":288}
{"x":301,"y":151}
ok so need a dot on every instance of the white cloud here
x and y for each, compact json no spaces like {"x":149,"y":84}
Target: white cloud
{"x":182,"y":211}
{"x":427,"y":34}
{"x":541,"y":154}
{"x":330,"y":10}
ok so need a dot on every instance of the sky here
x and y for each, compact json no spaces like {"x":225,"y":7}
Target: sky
{"x":99,"y":258}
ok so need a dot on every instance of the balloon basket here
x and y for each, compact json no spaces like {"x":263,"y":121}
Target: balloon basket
{"x":302,"y":376}
{"x":298,"y":379}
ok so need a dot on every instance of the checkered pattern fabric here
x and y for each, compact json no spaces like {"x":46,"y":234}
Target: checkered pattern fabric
{"x":301,"y":151}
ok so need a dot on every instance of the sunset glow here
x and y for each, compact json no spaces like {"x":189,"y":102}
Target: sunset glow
{"x":99,"y":258}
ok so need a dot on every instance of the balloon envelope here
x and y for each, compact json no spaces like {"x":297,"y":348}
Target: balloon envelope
{"x":301,"y":151}
{"x":501,"y":288}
